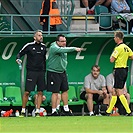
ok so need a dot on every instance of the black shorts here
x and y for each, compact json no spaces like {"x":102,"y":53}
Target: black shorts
{"x":95,"y":97}
{"x":120,"y":77}
{"x":34,"y":78}
{"x":57,"y":82}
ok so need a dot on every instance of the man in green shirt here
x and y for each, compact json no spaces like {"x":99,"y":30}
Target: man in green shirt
{"x":56,"y":73}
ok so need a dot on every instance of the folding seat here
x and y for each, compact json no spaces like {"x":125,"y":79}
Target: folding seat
{"x":13,"y":93}
{"x":73,"y":100}
{"x":131,"y":95}
{"x":104,"y":19}
{"x":2,"y":101}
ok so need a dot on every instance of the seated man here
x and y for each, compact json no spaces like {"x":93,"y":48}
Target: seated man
{"x":46,"y":99}
{"x":94,"y":89}
{"x":120,"y":7}
{"x":110,"y":85}
{"x":98,"y":2}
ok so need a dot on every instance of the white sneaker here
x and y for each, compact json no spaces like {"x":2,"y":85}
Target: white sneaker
{"x":91,"y":114}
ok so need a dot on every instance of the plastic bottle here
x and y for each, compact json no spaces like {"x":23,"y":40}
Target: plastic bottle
{"x":8,"y":113}
{"x":117,"y":110}
{"x":114,"y":110}
{"x":17,"y":113}
{"x":20,"y":64}
{"x":44,"y":113}
{"x":2,"y":112}
{"x":20,"y":67}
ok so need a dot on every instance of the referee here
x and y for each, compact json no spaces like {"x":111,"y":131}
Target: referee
{"x":120,"y":56}
{"x":36,"y":67}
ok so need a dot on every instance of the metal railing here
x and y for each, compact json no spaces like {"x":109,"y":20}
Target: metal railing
{"x":12,"y":31}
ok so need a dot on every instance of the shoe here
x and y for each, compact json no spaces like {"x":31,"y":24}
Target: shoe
{"x":91,"y":114}
{"x":23,"y":114}
{"x":90,"y":12}
{"x":107,"y":114}
{"x":67,"y":113}
{"x":55,"y":114}
{"x":129,"y":114}
{"x":58,"y":111}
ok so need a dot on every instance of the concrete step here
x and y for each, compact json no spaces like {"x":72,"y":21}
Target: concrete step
{"x":79,"y":11}
{"x":90,"y":27}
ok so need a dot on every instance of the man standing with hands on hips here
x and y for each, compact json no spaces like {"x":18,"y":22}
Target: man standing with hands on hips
{"x":56,"y":73}
{"x":120,"y":56}
{"x":36,"y":67}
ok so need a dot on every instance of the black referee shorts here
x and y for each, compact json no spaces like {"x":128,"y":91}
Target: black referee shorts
{"x":34,"y":78}
{"x":57,"y":82}
{"x":120,"y":77}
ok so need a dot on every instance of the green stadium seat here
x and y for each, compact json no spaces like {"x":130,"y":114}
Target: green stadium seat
{"x":104,"y":19}
{"x":131,"y":93}
{"x":2,"y":101}
{"x":14,"y":94}
{"x":73,"y":100}
{"x":78,"y":93}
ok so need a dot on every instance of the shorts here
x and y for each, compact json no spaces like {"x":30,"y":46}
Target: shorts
{"x":57,"y":82}
{"x":34,"y":78}
{"x":120,"y":77}
{"x":95,"y":97}
{"x":48,"y":96}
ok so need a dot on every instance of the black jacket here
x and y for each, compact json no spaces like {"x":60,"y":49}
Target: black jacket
{"x":36,"y":56}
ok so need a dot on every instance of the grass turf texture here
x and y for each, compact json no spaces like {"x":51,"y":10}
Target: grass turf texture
{"x":77,"y":124}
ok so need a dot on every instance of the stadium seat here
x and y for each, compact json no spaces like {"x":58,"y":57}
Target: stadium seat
{"x":13,"y":93}
{"x":2,"y":101}
{"x":78,"y":91}
{"x":73,"y":99}
{"x":131,"y":95}
{"x":104,"y":19}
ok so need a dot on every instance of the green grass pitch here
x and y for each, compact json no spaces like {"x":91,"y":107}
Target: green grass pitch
{"x":75,"y":124}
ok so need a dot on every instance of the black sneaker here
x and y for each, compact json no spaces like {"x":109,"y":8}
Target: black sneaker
{"x":22,"y":114}
{"x":129,"y":114}
{"x":107,"y":114}
{"x":58,"y":111}
{"x":55,"y":114}
{"x":67,"y":113}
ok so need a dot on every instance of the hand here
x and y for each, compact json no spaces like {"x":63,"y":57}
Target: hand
{"x":41,"y":23}
{"x":100,"y":92}
{"x":19,"y":61}
{"x":79,"y":49}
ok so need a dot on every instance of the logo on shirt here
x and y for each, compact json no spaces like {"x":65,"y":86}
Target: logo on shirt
{"x":41,"y":48}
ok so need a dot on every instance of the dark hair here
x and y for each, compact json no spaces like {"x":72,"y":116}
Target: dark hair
{"x":98,"y":67}
{"x":58,"y":37}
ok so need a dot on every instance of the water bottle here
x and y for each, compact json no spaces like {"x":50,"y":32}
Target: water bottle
{"x":17,"y":113}
{"x":20,"y":67}
{"x":8,"y":113}
{"x":44,"y":113}
{"x":20,"y":64}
